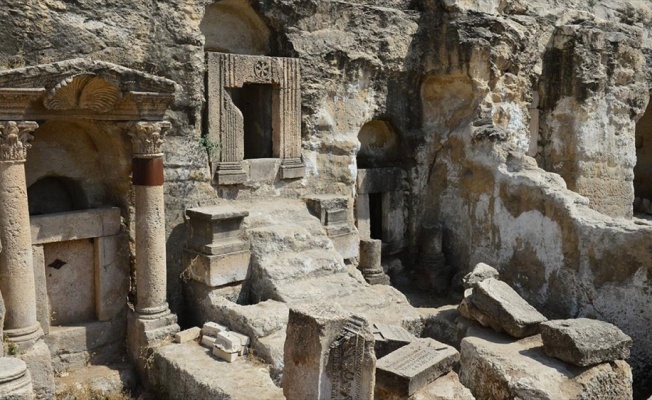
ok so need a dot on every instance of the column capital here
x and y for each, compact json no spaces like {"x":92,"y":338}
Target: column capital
{"x":15,"y":138}
{"x":146,"y":137}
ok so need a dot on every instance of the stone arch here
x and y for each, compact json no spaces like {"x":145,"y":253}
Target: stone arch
{"x":379,"y":144}
{"x":85,"y":153}
{"x":232,"y":26}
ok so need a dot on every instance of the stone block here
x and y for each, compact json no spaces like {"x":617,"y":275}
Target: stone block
{"x":216,"y":270}
{"x":39,"y":363}
{"x":480,"y":272}
{"x":40,"y":283}
{"x":414,"y":366}
{"x":325,"y":205}
{"x":498,"y":301}
{"x":187,"y":335}
{"x":494,"y":366}
{"x":75,"y":225}
{"x":244,"y":339}
{"x":216,"y":229}
{"x":228,"y":342}
{"x":328,"y":354}
{"x":208,"y":341}
{"x":111,"y":275}
{"x":262,"y":170}
{"x":584,"y":341}
{"x":212,"y":329}
{"x":293,"y":171}
{"x":225,"y":355}
{"x":389,"y":338}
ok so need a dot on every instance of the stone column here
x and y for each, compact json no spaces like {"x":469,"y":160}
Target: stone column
{"x":16,"y":269}
{"x":150,"y":218}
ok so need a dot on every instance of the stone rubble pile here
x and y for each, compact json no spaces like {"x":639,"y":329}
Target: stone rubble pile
{"x":498,"y":367}
{"x":224,"y":343}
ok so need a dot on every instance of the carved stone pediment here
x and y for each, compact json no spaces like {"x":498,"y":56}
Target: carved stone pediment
{"x":83,"y":88}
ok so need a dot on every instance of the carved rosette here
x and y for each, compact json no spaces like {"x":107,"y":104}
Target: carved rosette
{"x":14,"y":140}
{"x":146,"y":138}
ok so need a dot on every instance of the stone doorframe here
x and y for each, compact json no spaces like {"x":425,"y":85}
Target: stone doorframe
{"x":225,"y":121}
{"x":88,"y":90}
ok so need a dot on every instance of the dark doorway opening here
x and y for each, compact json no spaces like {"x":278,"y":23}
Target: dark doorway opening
{"x":255,"y":103}
{"x":643,"y":169}
{"x":376,"y":215}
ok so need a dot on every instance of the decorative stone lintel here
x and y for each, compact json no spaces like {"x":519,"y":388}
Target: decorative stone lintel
{"x":14,"y":140}
{"x":146,"y":138}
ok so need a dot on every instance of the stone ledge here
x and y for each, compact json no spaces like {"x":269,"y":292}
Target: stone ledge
{"x":75,"y":225}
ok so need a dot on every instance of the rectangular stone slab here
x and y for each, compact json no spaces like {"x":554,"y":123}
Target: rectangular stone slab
{"x":584,"y":341}
{"x":498,"y":301}
{"x":414,"y":366}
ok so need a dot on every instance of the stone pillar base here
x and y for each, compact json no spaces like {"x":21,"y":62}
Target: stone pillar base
{"x":15,"y":380}
{"x":147,"y":331}
{"x":39,"y":364}
{"x":23,"y":339}
{"x":375,"y":277}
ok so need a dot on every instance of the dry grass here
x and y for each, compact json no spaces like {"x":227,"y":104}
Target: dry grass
{"x":88,"y":393}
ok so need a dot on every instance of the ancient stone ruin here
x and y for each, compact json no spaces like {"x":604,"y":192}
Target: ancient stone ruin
{"x":302,"y":199}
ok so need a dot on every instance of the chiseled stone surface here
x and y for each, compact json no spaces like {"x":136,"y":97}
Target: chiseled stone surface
{"x":414,"y":366}
{"x":189,"y":371}
{"x":329,"y":354}
{"x":584,"y":341}
{"x":504,"y":308}
{"x":446,"y":387}
{"x":494,"y":366}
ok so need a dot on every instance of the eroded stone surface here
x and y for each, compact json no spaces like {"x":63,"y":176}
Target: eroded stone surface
{"x":584,"y":341}
{"x":494,"y":366}
{"x":479,"y":273}
{"x":503,"y":308}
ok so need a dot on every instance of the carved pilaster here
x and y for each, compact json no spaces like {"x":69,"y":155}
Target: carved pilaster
{"x":146,"y":138}
{"x":14,"y":140}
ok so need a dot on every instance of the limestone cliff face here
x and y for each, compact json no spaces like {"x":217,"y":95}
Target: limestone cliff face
{"x":515,"y":121}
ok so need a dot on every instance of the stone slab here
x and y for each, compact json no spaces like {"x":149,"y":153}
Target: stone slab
{"x":389,"y":338}
{"x":414,"y":366}
{"x":501,"y":303}
{"x":189,"y":371}
{"x":228,"y":342}
{"x":111,"y":275}
{"x":346,"y":244}
{"x":208,"y":341}
{"x":224,"y":354}
{"x":446,"y":387}
{"x":187,"y":335}
{"x":216,"y":270}
{"x":40,"y":283}
{"x":75,"y":225}
{"x":212,"y":213}
{"x":584,"y":341}
{"x":494,"y":366}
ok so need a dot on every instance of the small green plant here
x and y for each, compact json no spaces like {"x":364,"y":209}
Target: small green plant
{"x":210,"y":146}
{"x":10,"y":348}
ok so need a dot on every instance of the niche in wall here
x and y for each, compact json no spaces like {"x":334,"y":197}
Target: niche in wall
{"x":643,"y":168}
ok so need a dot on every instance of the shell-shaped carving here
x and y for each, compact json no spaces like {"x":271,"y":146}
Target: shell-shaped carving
{"x":84,"y":92}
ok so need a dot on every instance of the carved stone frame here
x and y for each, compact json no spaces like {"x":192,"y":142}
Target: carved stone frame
{"x":225,"y":121}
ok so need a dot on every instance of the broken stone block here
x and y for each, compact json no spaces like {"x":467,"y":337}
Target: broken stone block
{"x":208,"y":341}
{"x":446,"y":387}
{"x":390,"y":338}
{"x":187,"y":335}
{"x":212,"y":329}
{"x":494,"y":366}
{"x":499,"y":302}
{"x":228,"y":342}
{"x":244,"y":339}
{"x":468,"y":310}
{"x":584,"y":341}
{"x":228,"y":356}
{"x":414,"y":366}
{"x":329,"y":354}
{"x":479,"y":273}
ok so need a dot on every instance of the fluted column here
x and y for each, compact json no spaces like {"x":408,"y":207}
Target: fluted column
{"x":16,"y":269}
{"x":150,"y":218}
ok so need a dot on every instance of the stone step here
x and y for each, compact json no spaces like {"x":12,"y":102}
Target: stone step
{"x":329,"y":287}
{"x":105,"y":379}
{"x":189,"y":371}
{"x":306,"y":264}
{"x":284,"y":238}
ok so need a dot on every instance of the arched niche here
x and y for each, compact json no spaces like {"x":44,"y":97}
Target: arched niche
{"x":55,"y":194}
{"x":379,"y":144}
{"x":232,"y":26}
{"x":82,"y":159}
